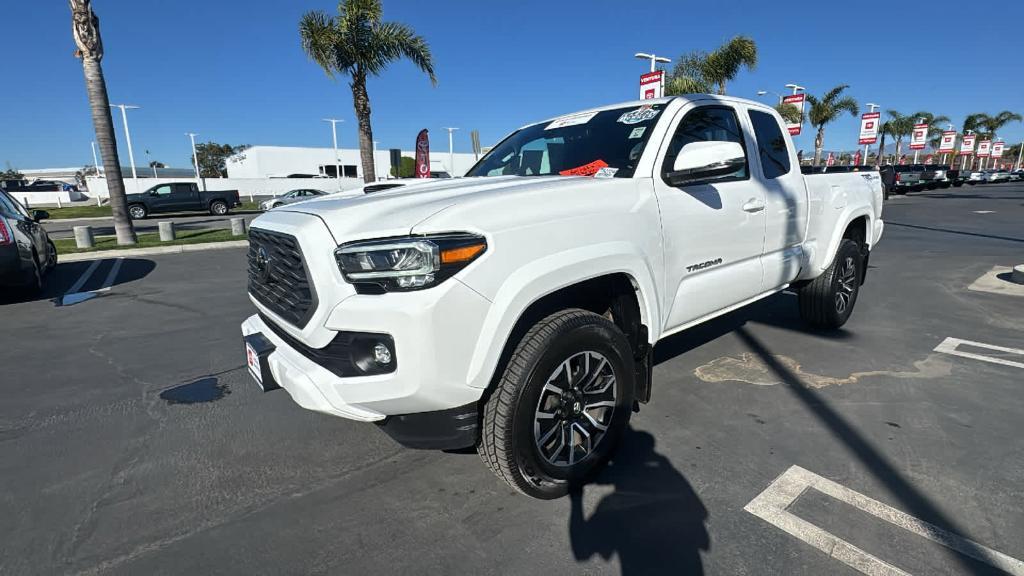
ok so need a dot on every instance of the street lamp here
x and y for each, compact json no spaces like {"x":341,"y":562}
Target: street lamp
{"x":795,"y":88}
{"x":774,"y":93}
{"x":127,"y":134}
{"x":375,"y":175}
{"x":195,"y":157}
{"x":451,"y":152}
{"x":334,"y":134}
{"x":654,"y":59}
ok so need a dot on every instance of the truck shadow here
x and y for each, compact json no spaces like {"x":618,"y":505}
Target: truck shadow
{"x":653,"y":520}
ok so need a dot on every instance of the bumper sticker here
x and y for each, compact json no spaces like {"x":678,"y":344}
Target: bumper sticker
{"x":641,"y":114}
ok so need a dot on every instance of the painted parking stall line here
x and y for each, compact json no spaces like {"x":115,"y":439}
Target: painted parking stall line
{"x":84,"y":277}
{"x":771,"y":506}
{"x":75,"y":296}
{"x":111,"y":276}
{"x":951,"y":346}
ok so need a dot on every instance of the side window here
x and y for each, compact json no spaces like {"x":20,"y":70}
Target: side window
{"x":771,"y":144}
{"x":162,"y":190}
{"x":8,"y":206}
{"x":707,"y":124}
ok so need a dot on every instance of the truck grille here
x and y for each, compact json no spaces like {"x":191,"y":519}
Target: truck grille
{"x":278,"y":277}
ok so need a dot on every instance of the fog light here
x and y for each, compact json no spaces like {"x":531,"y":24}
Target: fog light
{"x":381,"y":354}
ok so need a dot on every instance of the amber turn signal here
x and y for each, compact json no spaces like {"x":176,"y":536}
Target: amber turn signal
{"x":461,"y":254}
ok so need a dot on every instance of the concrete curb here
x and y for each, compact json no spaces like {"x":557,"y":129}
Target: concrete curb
{"x":156,"y":250}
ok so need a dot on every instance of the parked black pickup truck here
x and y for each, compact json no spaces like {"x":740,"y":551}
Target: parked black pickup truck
{"x":181,"y":197}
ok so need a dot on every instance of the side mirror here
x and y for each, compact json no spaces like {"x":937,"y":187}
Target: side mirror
{"x":706,"y":162}
{"x":40,"y":215}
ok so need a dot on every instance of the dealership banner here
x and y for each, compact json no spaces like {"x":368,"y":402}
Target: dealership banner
{"x":919,"y":138}
{"x":652,"y":85}
{"x":984,"y":148}
{"x":857,"y":158}
{"x":997,"y":149}
{"x":967,"y":143}
{"x":869,"y":127}
{"x":422,"y":154}
{"x":948,"y":142}
{"x":831,"y":160}
{"x":798,"y":101}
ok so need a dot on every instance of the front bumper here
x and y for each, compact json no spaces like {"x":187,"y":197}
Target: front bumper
{"x":434,"y":333}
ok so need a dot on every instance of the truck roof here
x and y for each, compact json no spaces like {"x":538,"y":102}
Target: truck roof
{"x":663,"y":100}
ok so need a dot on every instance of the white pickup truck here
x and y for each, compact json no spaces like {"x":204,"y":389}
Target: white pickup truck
{"x":516,"y":308}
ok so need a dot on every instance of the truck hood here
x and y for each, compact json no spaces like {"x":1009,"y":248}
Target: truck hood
{"x":397,"y":211}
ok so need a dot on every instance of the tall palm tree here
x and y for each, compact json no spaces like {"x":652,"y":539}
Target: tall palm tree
{"x":85,"y":27}
{"x":358,"y":44}
{"x":992,"y":124}
{"x":702,"y":72}
{"x":826,"y":110}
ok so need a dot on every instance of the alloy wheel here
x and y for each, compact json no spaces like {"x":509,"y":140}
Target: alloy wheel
{"x":847,"y":285}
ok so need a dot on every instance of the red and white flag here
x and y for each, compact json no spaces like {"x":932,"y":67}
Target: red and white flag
{"x":422,"y":154}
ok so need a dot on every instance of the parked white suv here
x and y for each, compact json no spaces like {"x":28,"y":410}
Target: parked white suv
{"x":516,"y":308}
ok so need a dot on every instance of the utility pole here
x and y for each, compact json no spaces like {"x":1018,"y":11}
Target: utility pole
{"x":451,"y":152}
{"x":1020,"y":155}
{"x":128,"y":136}
{"x":195,"y":157}
{"x":654,"y":59}
{"x":872,"y":107}
{"x":334,"y":135}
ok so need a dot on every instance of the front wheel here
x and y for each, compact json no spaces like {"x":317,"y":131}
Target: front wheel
{"x":218,"y":208}
{"x":561,"y":404}
{"x":137,"y":211}
{"x":828,"y":300}
{"x":51,"y":256}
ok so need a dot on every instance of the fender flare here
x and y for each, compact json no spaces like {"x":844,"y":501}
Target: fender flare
{"x":542,"y":277}
{"x":837,"y":233}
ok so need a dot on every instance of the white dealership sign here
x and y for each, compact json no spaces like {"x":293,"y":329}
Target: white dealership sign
{"x":984,"y":148}
{"x":997,"y":149}
{"x":869,"y":127}
{"x":919,"y":138}
{"x":967,"y":144}
{"x":798,"y":101}
{"x":948,"y":142}
{"x":652,"y":85}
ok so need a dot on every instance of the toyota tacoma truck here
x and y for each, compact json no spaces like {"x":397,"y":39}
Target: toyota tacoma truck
{"x":516,"y":309}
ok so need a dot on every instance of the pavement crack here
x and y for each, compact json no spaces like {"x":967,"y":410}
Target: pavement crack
{"x":751,"y":369}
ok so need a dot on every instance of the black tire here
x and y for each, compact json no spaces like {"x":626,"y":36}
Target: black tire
{"x":137,"y":211}
{"x":828,"y":300}
{"x":277,"y":205}
{"x":522,"y":400}
{"x":218,"y":208}
{"x":35,"y":284}
{"x":51,"y":256}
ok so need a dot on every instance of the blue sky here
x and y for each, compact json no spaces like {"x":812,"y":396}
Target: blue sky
{"x":233,"y":70}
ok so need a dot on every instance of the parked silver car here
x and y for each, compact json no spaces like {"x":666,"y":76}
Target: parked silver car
{"x":291,"y":197}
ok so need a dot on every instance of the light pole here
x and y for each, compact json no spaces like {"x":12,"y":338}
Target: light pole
{"x":375,"y":142}
{"x":872,"y":107}
{"x":964,"y":166}
{"x":949,"y":128}
{"x":1020,"y":155}
{"x":195,"y":157}
{"x":95,"y":159}
{"x":763,"y":92}
{"x":654,"y":59}
{"x":127,"y":134}
{"x":796,"y":89}
{"x":451,"y":152}
{"x":334,"y":135}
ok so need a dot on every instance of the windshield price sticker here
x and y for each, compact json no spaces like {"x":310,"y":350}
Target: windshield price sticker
{"x":637,"y":132}
{"x":606,"y":172}
{"x":641,"y":114}
{"x":571,"y":120}
{"x":585,"y":170}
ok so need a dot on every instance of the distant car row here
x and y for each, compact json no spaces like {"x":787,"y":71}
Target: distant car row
{"x":916,"y":177}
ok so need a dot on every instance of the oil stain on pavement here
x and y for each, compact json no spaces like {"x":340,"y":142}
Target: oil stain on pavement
{"x":206,"y":389}
{"x":751,"y":369}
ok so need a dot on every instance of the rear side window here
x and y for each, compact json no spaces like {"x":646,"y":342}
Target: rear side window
{"x":771,"y":145}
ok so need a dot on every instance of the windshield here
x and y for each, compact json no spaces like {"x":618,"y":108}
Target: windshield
{"x":605,"y":144}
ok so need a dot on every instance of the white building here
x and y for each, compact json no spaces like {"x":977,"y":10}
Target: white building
{"x":283,"y":161}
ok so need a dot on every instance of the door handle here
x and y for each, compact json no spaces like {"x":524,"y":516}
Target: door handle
{"x":753,"y":205}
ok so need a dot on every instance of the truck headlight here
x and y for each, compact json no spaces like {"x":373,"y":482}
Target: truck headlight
{"x":407,"y":263}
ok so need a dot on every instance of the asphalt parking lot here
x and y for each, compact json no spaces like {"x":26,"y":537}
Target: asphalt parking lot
{"x":132,"y":440}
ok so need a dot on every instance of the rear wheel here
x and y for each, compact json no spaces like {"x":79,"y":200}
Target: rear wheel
{"x":137,"y":211}
{"x":218,"y":208}
{"x":828,"y":300}
{"x":51,"y":256}
{"x":561,"y":404}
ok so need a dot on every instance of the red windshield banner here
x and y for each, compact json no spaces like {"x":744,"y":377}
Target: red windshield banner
{"x":422,"y":154}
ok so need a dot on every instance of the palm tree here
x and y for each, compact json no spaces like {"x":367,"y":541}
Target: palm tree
{"x":935,"y":129}
{"x":898,"y":126}
{"x":358,"y":44}
{"x":789,"y":113}
{"x":85,"y":27}
{"x":700,"y":71}
{"x":992,"y":124}
{"x":827,"y":109}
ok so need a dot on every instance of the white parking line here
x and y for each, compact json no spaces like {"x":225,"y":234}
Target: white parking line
{"x":84,"y":277}
{"x":949,"y":346}
{"x":111,"y":276}
{"x":771,"y":505}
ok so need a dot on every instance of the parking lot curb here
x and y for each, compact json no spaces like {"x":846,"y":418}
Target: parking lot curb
{"x":179,"y":249}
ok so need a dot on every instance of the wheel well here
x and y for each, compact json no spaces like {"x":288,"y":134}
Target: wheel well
{"x":215,"y":200}
{"x":613,"y":296}
{"x":857,"y":230}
